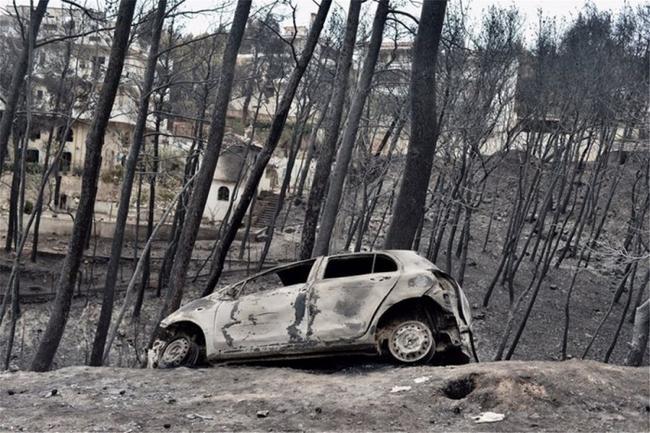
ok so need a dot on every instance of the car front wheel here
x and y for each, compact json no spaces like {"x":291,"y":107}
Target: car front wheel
{"x":411,"y":341}
{"x":180,"y":351}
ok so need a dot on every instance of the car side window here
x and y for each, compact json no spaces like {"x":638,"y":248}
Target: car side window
{"x":282,"y":277}
{"x":384,"y":264}
{"x":350,"y":266}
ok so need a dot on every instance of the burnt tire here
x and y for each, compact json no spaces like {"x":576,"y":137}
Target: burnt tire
{"x":410,"y":341}
{"x":179,"y":351}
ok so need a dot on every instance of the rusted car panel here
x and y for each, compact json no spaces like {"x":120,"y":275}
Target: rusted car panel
{"x":328,"y":304}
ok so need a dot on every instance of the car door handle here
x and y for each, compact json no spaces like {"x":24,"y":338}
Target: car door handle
{"x":378,"y":279}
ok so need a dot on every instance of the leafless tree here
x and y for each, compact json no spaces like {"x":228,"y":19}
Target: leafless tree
{"x":328,"y":148}
{"x":65,"y":286}
{"x":349,"y":135}
{"x":104,"y":321}
{"x":20,"y":69}
{"x":410,"y":201}
{"x":277,"y":125}
{"x":203,"y":180}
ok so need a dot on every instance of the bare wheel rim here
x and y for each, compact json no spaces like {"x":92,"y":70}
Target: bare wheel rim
{"x":176,"y":352}
{"x":410,"y":341}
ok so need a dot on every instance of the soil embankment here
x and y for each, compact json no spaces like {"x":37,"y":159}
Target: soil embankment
{"x":555,"y":396}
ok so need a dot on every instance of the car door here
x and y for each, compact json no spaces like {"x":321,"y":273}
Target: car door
{"x":346,"y":294}
{"x":266,"y":315}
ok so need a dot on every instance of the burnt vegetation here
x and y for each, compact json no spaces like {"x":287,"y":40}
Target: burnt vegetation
{"x":145,"y":163}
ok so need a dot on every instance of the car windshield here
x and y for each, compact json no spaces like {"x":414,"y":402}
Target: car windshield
{"x":296,"y":273}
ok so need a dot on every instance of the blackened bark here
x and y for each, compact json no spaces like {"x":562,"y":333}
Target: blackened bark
{"x":12,"y":227}
{"x":17,"y":78}
{"x":344,"y":155}
{"x":296,"y":140}
{"x":146,"y":266}
{"x":57,"y":106}
{"x":410,"y":201}
{"x":203,"y":181}
{"x":83,"y":219}
{"x":275,"y":133}
{"x":324,"y":161}
{"x":104,"y":320}
{"x":179,"y":214}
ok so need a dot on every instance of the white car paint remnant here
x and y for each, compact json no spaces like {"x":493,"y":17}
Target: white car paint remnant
{"x":421,"y":379}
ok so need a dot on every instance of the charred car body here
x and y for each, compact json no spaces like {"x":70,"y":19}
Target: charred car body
{"x":394,"y":303}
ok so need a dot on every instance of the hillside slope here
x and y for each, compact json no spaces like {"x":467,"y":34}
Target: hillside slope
{"x":557,"y":396}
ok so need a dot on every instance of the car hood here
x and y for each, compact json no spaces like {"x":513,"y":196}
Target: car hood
{"x":189,"y":310}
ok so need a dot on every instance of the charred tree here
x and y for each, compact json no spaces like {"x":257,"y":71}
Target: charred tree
{"x":83,"y":219}
{"x":344,"y":155}
{"x":410,"y":201}
{"x":203,"y":182}
{"x":17,"y":78}
{"x":275,"y":133}
{"x":125,"y":194}
{"x":333,"y":123}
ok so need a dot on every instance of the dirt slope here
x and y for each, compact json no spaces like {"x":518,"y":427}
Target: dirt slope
{"x":566,"y":396}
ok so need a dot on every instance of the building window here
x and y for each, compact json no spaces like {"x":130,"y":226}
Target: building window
{"x":66,"y":162}
{"x":69,"y":136}
{"x":35,"y":134}
{"x":63,"y":201}
{"x":98,"y":66}
{"x":223,"y":193}
{"x":31,"y":156}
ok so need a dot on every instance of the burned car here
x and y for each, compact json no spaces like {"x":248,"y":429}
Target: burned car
{"x":393,"y":303}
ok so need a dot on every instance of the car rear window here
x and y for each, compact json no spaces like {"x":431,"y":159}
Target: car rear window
{"x":350,"y":266}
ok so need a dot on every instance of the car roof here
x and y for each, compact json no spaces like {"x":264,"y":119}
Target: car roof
{"x":408,"y":258}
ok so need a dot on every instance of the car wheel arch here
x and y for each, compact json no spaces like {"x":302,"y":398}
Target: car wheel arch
{"x":416,"y":306}
{"x":190,"y":328}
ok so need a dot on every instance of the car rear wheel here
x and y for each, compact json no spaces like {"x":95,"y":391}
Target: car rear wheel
{"x":411,"y":341}
{"x":180,"y":351}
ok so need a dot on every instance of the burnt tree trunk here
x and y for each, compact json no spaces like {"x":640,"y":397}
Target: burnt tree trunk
{"x":12,"y":226}
{"x":333,"y":123}
{"x":296,"y":140}
{"x":83,"y":219}
{"x":344,"y":155}
{"x":106,"y":312}
{"x":203,"y":182}
{"x":50,"y":139}
{"x":146,"y":266}
{"x":409,"y":204}
{"x":179,"y":213}
{"x":275,"y":133}
{"x":17,"y":78}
